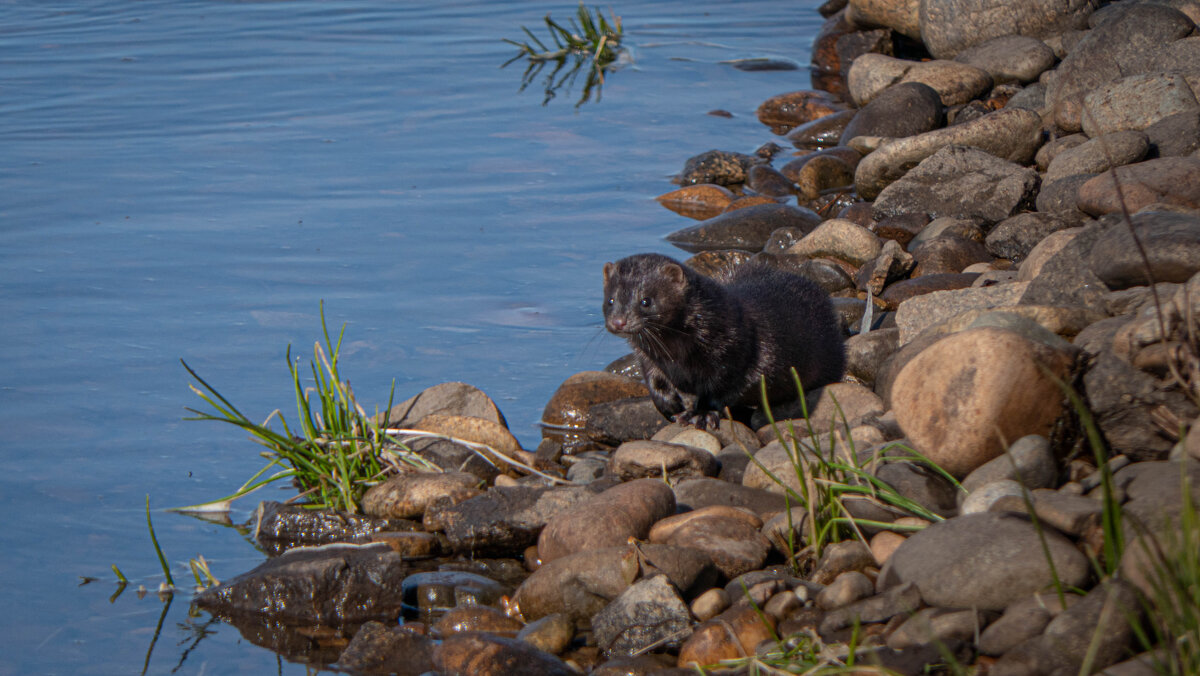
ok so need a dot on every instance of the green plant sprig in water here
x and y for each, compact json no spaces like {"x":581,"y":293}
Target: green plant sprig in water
{"x":591,"y":41}
{"x":340,"y":452}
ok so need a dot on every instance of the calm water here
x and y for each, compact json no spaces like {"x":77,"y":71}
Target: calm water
{"x":190,"y":179}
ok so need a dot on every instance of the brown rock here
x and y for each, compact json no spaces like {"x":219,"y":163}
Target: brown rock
{"x":475,"y":618}
{"x":747,"y":229}
{"x":608,"y":519}
{"x":1167,"y":180}
{"x":446,"y":399}
{"x":406,"y":496}
{"x":947,"y":255}
{"x":730,"y":536}
{"x":487,"y":655}
{"x":793,"y":109}
{"x":647,"y":459}
{"x":732,"y":634}
{"x":570,"y":403}
{"x":697,"y":201}
{"x":897,"y":293}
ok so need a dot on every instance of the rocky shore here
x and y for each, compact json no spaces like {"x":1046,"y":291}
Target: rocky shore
{"x":1003,"y":199}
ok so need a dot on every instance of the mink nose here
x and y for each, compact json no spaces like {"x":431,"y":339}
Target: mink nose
{"x":617,"y":323}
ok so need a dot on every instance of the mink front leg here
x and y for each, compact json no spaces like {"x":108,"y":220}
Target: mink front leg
{"x":666,"y":397}
{"x":704,"y":414}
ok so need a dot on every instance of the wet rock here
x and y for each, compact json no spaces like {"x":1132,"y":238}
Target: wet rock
{"x":717,"y":263}
{"x":1099,"y":154}
{"x":413,"y":545}
{"x":607,"y":519}
{"x":451,"y":398}
{"x":580,"y":585}
{"x":840,"y":239}
{"x":1022,"y":620}
{"x":766,"y":180}
{"x":645,"y":459}
{"x":793,"y":109}
{"x":821,"y":173}
{"x":647,"y":614}
{"x":570,"y":403}
{"x":379,"y":649}
{"x":892,"y":264}
{"x":959,"y":181}
{"x":849,"y":47}
{"x":984,"y":561}
{"x":947,"y":255}
{"x":704,"y":492}
{"x":1167,"y":180}
{"x":954,"y":82}
{"x":1110,"y":610}
{"x":845,"y":589}
{"x":434,"y":592}
{"x":1136,"y":102}
{"x":900,"y":599}
{"x":1012,"y":134}
{"x":717,"y":167}
{"x":475,"y":618}
{"x":1027,"y":461}
{"x":506,"y":519}
{"x":552,"y":633}
{"x":902,"y":228}
{"x":278,"y":527}
{"x":1170,"y":241}
{"x":728,"y":535}
{"x":488,"y":655}
{"x":936,"y":625}
{"x":747,"y":229}
{"x":825,"y":273}
{"x":951,"y":26}
{"x":901,"y":110}
{"x":821,"y":133}
{"x":1122,"y":46}
{"x":699,"y":201}
{"x":896,"y":294}
{"x":922,"y":312}
{"x":730,"y":635}
{"x":959,"y":397}
{"x":406,"y":496}
{"x":328,"y":585}
{"x":1009,"y":58}
{"x":1016,"y":236}
{"x":624,"y":420}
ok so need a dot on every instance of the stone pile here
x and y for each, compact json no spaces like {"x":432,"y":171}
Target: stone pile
{"x":1014,"y":187}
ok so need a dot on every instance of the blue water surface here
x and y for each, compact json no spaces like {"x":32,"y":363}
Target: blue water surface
{"x":191,"y":179}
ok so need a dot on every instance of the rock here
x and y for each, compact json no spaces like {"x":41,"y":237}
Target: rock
{"x":1009,"y":58}
{"x":727,"y":433}
{"x":1174,"y":135}
{"x":407,"y":495}
{"x":822,"y":173}
{"x":845,"y":589}
{"x":961,"y":396}
{"x":624,"y":420}
{"x":793,"y":109}
{"x":901,"y":110}
{"x":840,"y":558}
{"x":765,"y":180}
{"x":1061,"y":198}
{"x":505,"y":520}
{"x":884,"y":544}
{"x":327,"y":585}
{"x":702,"y":492}
{"x":1074,"y":515}
{"x":746,"y":229}
{"x":1167,"y":180}
{"x":581,"y":584}
{"x":458,"y":399}
{"x":1099,"y":154}
{"x":950,"y":26}
{"x":936,"y":625}
{"x":947,"y":255}
{"x":1012,"y":134}
{"x":1022,"y":620}
{"x":1122,"y":46}
{"x":727,"y":535}
{"x":902,"y":17}
{"x":1015,"y":237}
{"x":570,"y":403}
{"x":1028,"y":461}
{"x":959,"y":181}
{"x":552,"y":633}
{"x":821,"y":133}
{"x":1136,"y":102}
{"x":1046,"y":154}
{"x":901,"y":599}
{"x":487,"y":655}
{"x":1110,"y":610}
{"x":955,"y":83}
{"x":451,"y":456}
{"x":921,"y":485}
{"x":1170,"y":241}
{"x":607,"y":519}
{"x":717,"y":167}
{"x":645,"y":459}
{"x":475,"y":618}
{"x":948,"y":226}
{"x":700,"y":201}
{"x":841,"y":239}
{"x":279,"y":527}
{"x":892,"y":264}
{"x":647,"y":614}
{"x":866,"y":352}
{"x":730,"y":635}
{"x":1063,"y":276}
{"x":825,"y":273}
{"x":709,"y":604}
{"x":1119,"y":396}
{"x":435,"y":592}
{"x":410,"y":545}
{"x":984,"y":561}
{"x":984,"y":498}
{"x":899,"y":292}
{"x":379,"y":649}
{"x":828,"y":406}
{"x":902,"y":228}
{"x":921,"y":312}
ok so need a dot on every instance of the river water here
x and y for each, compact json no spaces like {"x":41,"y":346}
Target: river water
{"x":190,"y":180}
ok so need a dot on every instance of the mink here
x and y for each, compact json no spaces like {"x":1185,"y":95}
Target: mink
{"x":704,"y":344}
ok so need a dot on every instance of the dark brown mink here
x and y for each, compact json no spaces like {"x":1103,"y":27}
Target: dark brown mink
{"x":704,"y":344}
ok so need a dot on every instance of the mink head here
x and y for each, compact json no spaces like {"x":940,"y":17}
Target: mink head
{"x":645,"y":292}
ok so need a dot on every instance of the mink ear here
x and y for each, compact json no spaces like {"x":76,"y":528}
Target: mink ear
{"x":674,"y":273}
{"x":608,"y":270}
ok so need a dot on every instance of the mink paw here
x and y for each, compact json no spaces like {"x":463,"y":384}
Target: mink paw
{"x":699,"y":420}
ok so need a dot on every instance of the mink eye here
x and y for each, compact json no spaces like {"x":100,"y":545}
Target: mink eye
{"x":611,"y":302}
{"x":647,"y":302}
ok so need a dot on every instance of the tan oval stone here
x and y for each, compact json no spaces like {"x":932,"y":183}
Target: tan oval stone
{"x":410,"y":545}
{"x":607,"y":519}
{"x":475,"y":430}
{"x":451,"y":398}
{"x":841,"y":239}
{"x":552,"y":633}
{"x":964,"y":396}
{"x":954,"y":82}
{"x":732,"y":634}
{"x":883,"y":544}
{"x":697,"y":438}
{"x":697,"y":201}
{"x":406,"y":496}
